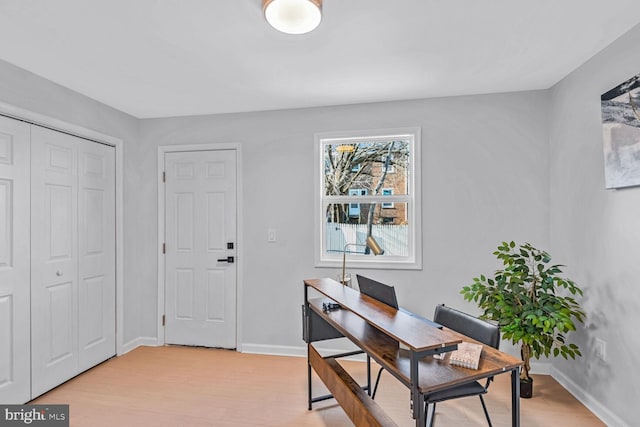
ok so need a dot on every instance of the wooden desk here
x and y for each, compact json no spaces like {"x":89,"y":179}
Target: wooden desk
{"x":378,"y":330}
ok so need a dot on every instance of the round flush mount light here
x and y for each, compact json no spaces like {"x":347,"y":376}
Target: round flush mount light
{"x":293,"y":16}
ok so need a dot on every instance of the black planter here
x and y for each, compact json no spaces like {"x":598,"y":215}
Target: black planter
{"x":526,"y":388}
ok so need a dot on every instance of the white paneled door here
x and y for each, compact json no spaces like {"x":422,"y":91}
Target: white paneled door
{"x":96,"y":253}
{"x":72,"y":256}
{"x":54,"y":258}
{"x":200,"y":233}
{"x":14,"y":262}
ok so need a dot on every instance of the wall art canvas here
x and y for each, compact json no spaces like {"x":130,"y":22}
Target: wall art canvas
{"x":621,"y":134}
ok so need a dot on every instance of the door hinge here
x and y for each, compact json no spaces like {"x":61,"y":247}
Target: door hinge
{"x":163,"y":319}
{"x":164,"y":248}
{"x":164,"y":176}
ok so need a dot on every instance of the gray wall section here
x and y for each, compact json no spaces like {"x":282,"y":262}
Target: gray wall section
{"x":596,"y":231}
{"x":525,"y":166}
{"x":31,"y":92}
{"x":485,"y":179}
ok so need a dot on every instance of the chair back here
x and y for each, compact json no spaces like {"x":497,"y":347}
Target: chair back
{"x":466,"y":324}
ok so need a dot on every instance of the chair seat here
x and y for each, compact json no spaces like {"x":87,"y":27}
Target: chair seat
{"x":463,"y":390}
{"x":473,"y":327}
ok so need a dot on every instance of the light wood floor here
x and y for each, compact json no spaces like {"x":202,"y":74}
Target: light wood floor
{"x":186,"y":386}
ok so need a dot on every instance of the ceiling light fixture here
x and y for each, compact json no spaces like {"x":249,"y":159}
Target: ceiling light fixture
{"x":293,"y":16}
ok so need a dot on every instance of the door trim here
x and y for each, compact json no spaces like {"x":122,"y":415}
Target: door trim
{"x":162,"y":150}
{"x":28,"y":116}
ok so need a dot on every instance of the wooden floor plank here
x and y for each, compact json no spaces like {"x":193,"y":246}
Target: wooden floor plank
{"x":188,"y":386}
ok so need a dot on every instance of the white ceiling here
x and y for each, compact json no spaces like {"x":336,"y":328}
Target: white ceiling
{"x":161,"y":58}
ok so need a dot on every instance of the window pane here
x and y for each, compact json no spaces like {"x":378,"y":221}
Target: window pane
{"x":389,"y":227}
{"x":366,"y":183}
{"x":366,"y":166}
{"x":387,"y":192}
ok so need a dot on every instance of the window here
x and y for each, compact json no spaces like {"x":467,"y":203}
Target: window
{"x":354,"y":208}
{"x":387,"y":192}
{"x":366,"y":185}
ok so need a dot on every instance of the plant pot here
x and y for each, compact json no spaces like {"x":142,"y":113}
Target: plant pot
{"x":526,"y":388}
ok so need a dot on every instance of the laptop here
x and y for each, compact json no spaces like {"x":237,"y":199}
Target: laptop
{"x":387,"y":295}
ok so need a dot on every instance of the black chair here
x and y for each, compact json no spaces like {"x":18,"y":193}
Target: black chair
{"x":478,"y":329}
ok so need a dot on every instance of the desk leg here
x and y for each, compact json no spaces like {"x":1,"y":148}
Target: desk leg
{"x":307,"y":327}
{"x":417,"y":404}
{"x":368,"y":375}
{"x":515,"y":397}
{"x":309,"y":392}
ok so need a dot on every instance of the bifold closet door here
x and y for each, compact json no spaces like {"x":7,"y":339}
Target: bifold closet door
{"x":97,"y":253}
{"x":15,"y":377}
{"x":54,"y":259}
{"x":72,"y":257}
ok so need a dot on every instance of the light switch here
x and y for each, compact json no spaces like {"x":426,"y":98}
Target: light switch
{"x":271,"y":235}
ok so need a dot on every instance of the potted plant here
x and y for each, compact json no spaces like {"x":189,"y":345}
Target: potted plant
{"x":533,"y":305}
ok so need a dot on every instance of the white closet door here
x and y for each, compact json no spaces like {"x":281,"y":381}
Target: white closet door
{"x":97,"y":261}
{"x":72,"y":256}
{"x":15,"y":383}
{"x":54,"y":259}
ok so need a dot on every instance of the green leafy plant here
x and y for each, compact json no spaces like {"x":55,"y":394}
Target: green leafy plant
{"x":526,"y":299}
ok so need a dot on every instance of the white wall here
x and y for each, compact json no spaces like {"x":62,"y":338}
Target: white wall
{"x":485,"y":179}
{"x":597,"y":233}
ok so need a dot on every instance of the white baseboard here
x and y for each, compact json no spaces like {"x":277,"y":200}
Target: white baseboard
{"x":274,"y":350}
{"x":593,"y":404}
{"x":137,"y":342}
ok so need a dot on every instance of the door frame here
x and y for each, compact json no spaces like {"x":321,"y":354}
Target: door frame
{"x":162,"y":150}
{"x":38,"y":119}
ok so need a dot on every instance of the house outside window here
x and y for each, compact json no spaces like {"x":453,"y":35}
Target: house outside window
{"x":366,"y":185}
{"x":387,"y":205}
{"x":354,"y":208}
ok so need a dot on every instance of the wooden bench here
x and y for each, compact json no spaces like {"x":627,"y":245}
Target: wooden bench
{"x":357,"y":404}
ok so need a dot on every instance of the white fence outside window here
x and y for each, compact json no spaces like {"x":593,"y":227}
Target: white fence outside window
{"x":394,"y":239}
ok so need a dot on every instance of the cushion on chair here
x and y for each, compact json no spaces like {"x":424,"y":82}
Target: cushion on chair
{"x":463,"y":390}
{"x":466,"y":324}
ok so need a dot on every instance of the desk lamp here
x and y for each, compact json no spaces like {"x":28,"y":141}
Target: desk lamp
{"x":370,"y":243}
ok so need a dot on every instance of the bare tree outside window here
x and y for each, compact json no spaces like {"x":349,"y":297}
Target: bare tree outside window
{"x":367,"y":189}
{"x":365,"y":165}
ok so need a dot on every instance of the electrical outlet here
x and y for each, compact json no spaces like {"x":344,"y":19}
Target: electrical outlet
{"x":600,"y":349}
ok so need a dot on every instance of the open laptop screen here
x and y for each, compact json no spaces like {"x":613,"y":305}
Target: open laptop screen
{"x":383,"y":293}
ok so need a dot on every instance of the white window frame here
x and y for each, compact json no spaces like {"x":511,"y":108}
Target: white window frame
{"x":413,"y":261}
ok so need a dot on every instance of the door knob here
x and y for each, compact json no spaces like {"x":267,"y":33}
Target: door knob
{"x":228,"y":259}
{"x":58,"y":273}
